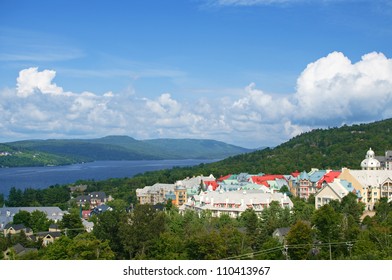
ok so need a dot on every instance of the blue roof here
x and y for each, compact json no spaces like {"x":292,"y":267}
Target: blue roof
{"x":317,"y":175}
{"x":303,"y":176}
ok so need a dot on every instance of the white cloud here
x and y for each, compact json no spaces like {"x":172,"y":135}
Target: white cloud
{"x":330,"y":91}
{"x":31,"y":79}
{"x":334,"y":89}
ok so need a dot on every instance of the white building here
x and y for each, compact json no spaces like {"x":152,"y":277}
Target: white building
{"x":335,"y":190}
{"x":233,"y":203}
{"x":7,"y":213}
{"x":370,"y":162}
{"x":372,"y":184}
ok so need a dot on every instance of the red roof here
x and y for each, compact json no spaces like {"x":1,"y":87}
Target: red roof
{"x":224,"y":178}
{"x":328,"y":177}
{"x":295,"y":173}
{"x":213,"y":184}
{"x":260,"y":179}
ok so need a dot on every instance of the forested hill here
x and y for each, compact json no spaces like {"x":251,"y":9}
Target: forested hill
{"x":332,"y":148}
{"x":57,"y":151}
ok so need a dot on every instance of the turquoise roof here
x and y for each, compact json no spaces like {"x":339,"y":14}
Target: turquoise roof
{"x":303,"y":176}
{"x":317,"y":175}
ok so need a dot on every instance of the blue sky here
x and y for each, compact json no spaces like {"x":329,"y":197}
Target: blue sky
{"x":248,"y":72}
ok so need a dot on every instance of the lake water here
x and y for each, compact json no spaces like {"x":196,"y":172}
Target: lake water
{"x":42,"y":177}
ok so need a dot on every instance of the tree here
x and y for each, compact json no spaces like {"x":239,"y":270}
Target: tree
{"x":15,"y":198}
{"x":299,"y":240}
{"x":328,"y":224}
{"x":351,"y":206}
{"x":143,"y":226}
{"x":275,"y":217}
{"x":86,"y":246}
{"x":2,"y":199}
{"x":72,"y":224}
{"x":206,"y":246}
{"x":39,"y":221}
{"x":302,"y":210}
{"x":271,"y":249}
{"x":106,"y":227}
{"x":22,"y":217}
{"x":250,"y":220}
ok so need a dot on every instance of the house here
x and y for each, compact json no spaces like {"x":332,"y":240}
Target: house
{"x":372,"y":184}
{"x":385,"y":161}
{"x":11,"y":229}
{"x":100,"y":209}
{"x":17,"y":250}
{"x":86,"y":214}
{"x":48,"y":237}
{"x":280,"y":234}
{"x":335,"y":190}
{"x":7,"y":213}
{"x":307,"y":183}
{"x":154,"y":194}
{"x":88,"y":226}
{"x":93,"y":199}
{"x":78,"y":188}
{"x":234,"y":203}
{"x":54,"y":228}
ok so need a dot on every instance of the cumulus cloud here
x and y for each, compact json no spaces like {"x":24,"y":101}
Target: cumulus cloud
{"x":333,"y":89}
{"x":330,"y":91}
{"x":31,"y":79}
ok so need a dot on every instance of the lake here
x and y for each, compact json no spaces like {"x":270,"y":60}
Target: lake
{"x":42,"y":177}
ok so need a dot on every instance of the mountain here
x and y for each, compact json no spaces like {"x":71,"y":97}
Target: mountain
{"x":331,"y":148}
{"x":66,"y":151}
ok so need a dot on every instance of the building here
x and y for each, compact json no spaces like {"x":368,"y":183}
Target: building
{"x":335,"y":190}
{"x":280,"y":234}
{"x":154,"y":194}
{"x":385,"y":161}
{"x":370,"y":162}
{"x":372,"y":184}
{"x":11,"y":229}
{"x":94,"y":199}
{"x":7,"y":213}
{"x":235,"y":202}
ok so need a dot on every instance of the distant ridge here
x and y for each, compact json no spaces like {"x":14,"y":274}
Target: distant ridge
{"x":66,"y":151}
{"x":332,"y":148}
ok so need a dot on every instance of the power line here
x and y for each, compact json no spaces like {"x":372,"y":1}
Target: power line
{"x":349,"y":244}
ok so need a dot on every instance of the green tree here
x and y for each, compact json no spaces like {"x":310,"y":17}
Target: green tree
{"x":23,"y":217}
{"x":72,"y":224}
{"x":206,"y":246}
{"x":2,"y":200}
{"x":271,"y":249}
{"x":328,"y":224}
{"x":58,"y":250}
{"x":106,"y":227}
{"x":15,"y":197}
{"x":39,"y":221}
{"x":299,"y":240}
{"x":302,"y":210}
{"x":143,"y":226}
{"x":86,"y":246}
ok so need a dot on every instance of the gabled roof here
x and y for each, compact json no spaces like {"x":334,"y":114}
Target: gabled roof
{"x":15,"y":226}
{"x":281,"y":231}
{"x":53,"y":234}
{"x":222,"y":178}
{"x":328,"y":178}
{"x":304,"y":176}
{"x":212,"y":184}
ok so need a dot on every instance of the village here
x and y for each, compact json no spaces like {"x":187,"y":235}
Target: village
{"x":229,"y":195}
{"x":234,"y":193}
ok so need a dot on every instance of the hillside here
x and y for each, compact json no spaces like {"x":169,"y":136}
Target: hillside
{"x":66,"y":151}
{"x":332,"y":148}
